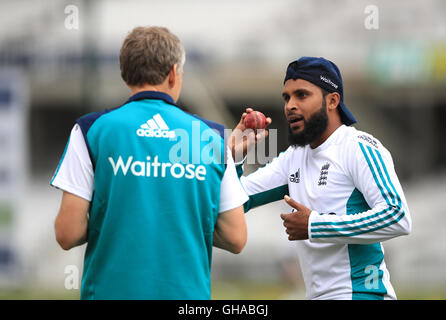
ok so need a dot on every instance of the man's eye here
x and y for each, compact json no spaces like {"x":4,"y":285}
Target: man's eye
{"x":302,"y":95}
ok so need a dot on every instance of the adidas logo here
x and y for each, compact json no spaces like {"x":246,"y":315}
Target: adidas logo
{"x":295,"y":177}
{"x":155,"y":127}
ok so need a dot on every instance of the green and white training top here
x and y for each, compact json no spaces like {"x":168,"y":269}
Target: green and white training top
{"x":157,"y":179}
{"x":350,"y":183}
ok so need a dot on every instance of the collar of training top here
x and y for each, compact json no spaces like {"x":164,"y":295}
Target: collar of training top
{"x":152,"y":95}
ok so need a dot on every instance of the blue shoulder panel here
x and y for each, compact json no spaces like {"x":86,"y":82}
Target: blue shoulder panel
{"x":219,"y":128}
{"x":85,"y":122}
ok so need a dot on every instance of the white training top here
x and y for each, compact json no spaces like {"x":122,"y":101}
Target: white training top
{"x":350,"y":183}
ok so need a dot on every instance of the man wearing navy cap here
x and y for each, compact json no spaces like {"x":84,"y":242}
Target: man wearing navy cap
{"x":340,"y":182}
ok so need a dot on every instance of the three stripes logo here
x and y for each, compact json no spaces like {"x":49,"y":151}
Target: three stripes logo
{"x":295,"y":177}
{"x":155,"y":127}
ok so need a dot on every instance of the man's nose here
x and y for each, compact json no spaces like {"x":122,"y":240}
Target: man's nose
{"x":291,"y":105}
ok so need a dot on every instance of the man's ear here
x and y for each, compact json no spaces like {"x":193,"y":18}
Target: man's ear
{"x":333,"y":100}
{"x":172,"y":75}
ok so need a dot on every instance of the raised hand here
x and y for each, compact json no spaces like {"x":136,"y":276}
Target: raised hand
{"x":242,"y":139}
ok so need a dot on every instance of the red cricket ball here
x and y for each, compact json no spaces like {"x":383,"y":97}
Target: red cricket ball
{"x":255,"y":120}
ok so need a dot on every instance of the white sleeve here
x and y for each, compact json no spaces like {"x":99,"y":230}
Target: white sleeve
{"x":386,"y":214}
{"x":232,"y":194}
{"x":269,"y":183}
{"x":74,"y":173}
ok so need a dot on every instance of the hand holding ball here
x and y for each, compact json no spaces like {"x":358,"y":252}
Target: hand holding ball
{"x":242,"y":139}
{"x":255,"y":120}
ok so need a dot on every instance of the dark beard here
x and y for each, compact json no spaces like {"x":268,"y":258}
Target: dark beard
{"x":313,"y":128}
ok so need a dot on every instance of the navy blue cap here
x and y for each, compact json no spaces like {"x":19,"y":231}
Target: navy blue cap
{"x":326,"y":75}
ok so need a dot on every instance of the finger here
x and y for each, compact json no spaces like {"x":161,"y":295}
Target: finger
{"x":283,"y":216}
{"x":293,"y":203}
{"x":292,"y":238}
{"x":285,"y":223}
{"x":250,"y":139}
{"x":242,"y":118}
{"x":261,"y":134}
{"x":268,"y":121}
{"x":240,"y":124}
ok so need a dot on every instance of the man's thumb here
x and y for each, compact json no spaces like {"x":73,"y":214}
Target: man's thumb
{"x":284,"y":215}
{"x":292,"y":202}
